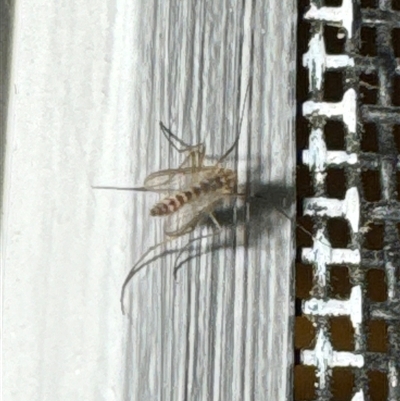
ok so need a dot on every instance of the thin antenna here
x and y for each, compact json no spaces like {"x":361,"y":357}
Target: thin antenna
{"x":139,"y":189}
{"x":240,"y":127}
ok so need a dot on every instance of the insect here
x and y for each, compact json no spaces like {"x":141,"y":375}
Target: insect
{"x":194,"y":191}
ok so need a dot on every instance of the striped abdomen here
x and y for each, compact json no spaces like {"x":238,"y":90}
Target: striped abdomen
{"x":224,"y":181}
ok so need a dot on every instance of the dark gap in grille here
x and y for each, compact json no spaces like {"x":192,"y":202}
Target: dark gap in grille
{"x":396,"y":5}
{"x":334,"y":135}
{"x":368,"y":88}
{"x":398,"y":185}
{"x":336,"y":183}
{"x":297,"y":357}
{"x":333,"y":3}
{"x":301,"y":137}
{"x":302,"y":90}
{"x":333,"y":86}
{"x":338,"y":232}
{"x":369,"y":3}
{"x":334,"y":42}
{"x":304,"y":185}
{"x":376,"y":285}
{"x":304,"y":280}
{"x":369,"y":139}
{"x":368,"y":41}
{"x":342,"y":333}
{"x":342,"y":384}
{"x":371,"y":185}
{"x":378,"y":385}
{"x":396,"y":41}
{"x":303,"y":230}
{"x":377,"y":336}
{"x":304,"y":382}
{"x":396,"y":137}
{"x":305,"y":333}
{"x":340,"y":282}
{"x":396,"y":91}
{"x":298,"y":310}
{"x":373,"y":238}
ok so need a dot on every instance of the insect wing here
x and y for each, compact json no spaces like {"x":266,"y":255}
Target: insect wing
{"x":190,"y":214}
{"x":175,"y":180}
{"x":165,"y":180}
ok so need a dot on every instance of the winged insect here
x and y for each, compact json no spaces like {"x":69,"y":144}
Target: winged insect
{"x":194,"y":191}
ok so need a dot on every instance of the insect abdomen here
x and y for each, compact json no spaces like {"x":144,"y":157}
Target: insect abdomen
{"x":171,"y":204}
{"x":223,"y":179}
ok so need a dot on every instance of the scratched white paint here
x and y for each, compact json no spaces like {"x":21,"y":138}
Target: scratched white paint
{"x":359,"y":396}
{"x":333,"y":158}
{"x":318,"y":158}
{"x":322,"y":254}
{"x":391,"y":280}
{"x":324,"y":357}
{"x":335,"y":256}
{"x":318,"y":61}
{"x":317,"y":151}
{"x":346,"y":109}
{"x":393,"y":374}
{"x":340,"y":16}
{"x":349,"y":208}
{"x":338,"y":157}
{"x":333,"y":307}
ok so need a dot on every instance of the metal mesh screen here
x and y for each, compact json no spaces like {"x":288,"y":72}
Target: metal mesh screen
{"x":347,"y":333}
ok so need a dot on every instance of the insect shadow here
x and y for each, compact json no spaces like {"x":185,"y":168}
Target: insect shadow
{"x":255,"y":216}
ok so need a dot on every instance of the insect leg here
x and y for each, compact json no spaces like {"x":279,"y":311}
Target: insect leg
{"x":195,"y":157}
{"x":134,"y":270}
{"x":196,"y":153}
{"x":240,"y":128}
{"x":172,"y":137}
{"x":215,"y":221}
{"x":186,"y":247}
{"x":283,"y":213}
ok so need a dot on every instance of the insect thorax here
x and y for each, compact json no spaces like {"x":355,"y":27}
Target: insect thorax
{"x":221,"y":181}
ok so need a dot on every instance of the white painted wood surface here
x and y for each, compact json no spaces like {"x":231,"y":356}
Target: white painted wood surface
{"x":89,"y":82}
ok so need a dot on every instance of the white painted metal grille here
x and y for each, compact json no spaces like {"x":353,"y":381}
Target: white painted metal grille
{"x":347,"y":286}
